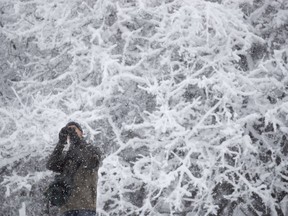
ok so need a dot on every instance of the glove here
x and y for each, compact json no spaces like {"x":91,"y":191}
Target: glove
{"x":63,"y":134}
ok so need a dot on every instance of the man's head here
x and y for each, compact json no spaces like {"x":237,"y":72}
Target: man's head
{"x":76,"y":127}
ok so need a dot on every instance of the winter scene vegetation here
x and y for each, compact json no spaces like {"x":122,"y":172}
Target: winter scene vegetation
{"x":187,"y":99}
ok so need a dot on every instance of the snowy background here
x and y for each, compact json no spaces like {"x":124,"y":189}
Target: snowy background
{"x":188,"y":99}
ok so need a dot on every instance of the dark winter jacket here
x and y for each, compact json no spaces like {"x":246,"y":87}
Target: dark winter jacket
{"x":81,"y":162}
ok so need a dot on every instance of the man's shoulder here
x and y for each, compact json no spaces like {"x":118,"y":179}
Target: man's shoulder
{"x":92,"y":148}
{"x":89,"y":145}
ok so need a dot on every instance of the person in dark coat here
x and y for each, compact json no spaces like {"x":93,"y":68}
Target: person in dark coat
{"x":80,"y":163}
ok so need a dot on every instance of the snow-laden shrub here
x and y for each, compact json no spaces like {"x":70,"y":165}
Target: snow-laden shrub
{"x":190,"y":114}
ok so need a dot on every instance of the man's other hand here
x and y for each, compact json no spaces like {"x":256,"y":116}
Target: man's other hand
{"x":63,"y":134}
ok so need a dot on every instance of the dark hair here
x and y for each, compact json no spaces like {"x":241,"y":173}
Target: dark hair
{"x":75,"y":124}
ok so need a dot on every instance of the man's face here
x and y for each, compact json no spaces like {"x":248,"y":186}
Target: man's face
{"x":79,"y":133}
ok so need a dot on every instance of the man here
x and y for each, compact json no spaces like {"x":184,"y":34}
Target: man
{"x":80,"y":166}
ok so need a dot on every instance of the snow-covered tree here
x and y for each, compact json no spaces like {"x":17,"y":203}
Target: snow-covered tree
{"x":187,"y":100}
